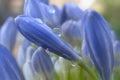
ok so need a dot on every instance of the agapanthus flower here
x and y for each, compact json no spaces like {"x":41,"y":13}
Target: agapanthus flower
{"x":72,"y":32}
{"x":51,"y":15}
{"x":32,"y":8}
{"x":113,"y":36}
{"x":84,"y":52}
{"x":8,"y":34}
{"x":27,"y":67}
{"x":63,"y":67}
{"x":42,"y":65}
{"x":40,"y":34}
{"x":9,"y":68}
{"x":45,"y":1}
{"x":21,"y":55}
{"x":70,"y":29}
{"x":71,"y":11}
{"x":116,"y":47}
{"x":98,"y":42}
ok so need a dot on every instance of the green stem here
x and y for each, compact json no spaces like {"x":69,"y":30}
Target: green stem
{"x":81,"y":74}
{"x":56,"y":77}
{"x":82,"y":64}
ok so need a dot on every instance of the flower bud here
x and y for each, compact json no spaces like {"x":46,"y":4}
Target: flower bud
{"x":8,"y":34}
{"x":42,"y":64}
{"x":9,"y":68}
{"x":27,"y":68}
{"x":40,"y":34}
{"x":98,"y":41}
{"x":50,"y":15}
{"x":21,"y":56}
{"x":71,"y":11}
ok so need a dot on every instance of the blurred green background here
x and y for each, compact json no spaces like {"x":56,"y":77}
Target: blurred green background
{"x":110,"y":9}
{"x":112,"y":14}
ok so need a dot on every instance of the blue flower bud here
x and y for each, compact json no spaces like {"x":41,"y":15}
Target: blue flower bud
{"x":27,"y":68}
{"x":42,"y":64}
{"x":44,"y":1}
{"x":113,"y":36}
{"x":32,"y":8}
{"x":71,"y":11}
{"x":21,"y":56}
{"x":62,"y":68}
{"x":116,"y":47}
{"x":72,"y":33}
{"x":8,"y":34}
{"x":9,"y":69}
{"x":29,"y":53}
{"x":97,"y":36}
{"x":51,"y":15}
{"x":40,"y":34}
{"x":70,"y":29}
{"x":85,"y":52}
{"x":28,"y":71}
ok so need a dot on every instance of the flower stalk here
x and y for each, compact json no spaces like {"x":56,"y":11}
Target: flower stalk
{"x":82,"y":64}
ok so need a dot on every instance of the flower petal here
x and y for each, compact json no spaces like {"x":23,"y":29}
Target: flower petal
{"x":97,"y":36}
{"x":42,"y":35}
{"x":8,"y":34}
{"x":42,"y":64}
{"x":9,"y":68}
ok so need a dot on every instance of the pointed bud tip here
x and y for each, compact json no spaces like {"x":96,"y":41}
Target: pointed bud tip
{"x":90,"y":13}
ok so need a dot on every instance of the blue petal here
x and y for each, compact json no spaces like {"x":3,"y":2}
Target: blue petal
{"x":32,"y":8}
{"x":42,"y":64}
{"x":116,"y":47}
{"x":42,"y":35}
{"x":8,"y":34}
{"x":21,"y":56}
{"x":70,"y":29}
{"x":27,"y":68}
{"x":29,"y":52}
{"x":72,"y":33}
{"x":44,"y":1}
{"x":28,"y":72}
{"x":97,"y":36}
{"x":9,"y":68}
{"x":113,"y":36}
{"x":71,"y":11}
{"x":51,"y":15}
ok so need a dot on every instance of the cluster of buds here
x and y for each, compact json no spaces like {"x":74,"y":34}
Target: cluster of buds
{"x":59,"y":44}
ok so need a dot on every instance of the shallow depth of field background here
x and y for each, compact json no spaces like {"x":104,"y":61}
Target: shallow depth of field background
{"x":109,"y":8}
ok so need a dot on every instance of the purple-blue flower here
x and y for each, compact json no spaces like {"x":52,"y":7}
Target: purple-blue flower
{"x":51,"y":15}
{"x":71,"y":11}
{"x":28,"y":71}
{"x":40,"y":34}
{"x":97,"y":36}
{"x":42,"y":64}
{"x":32,"y":8}
{"x":71,"y":29}
{"x":72,"y":32}
{"x":8,"y":34}
{"x":21,"y":55}
{"x":113,"y":36}
{"x":45,"y":1}
{"x":9,"y":69}
{"x":116,"y":48}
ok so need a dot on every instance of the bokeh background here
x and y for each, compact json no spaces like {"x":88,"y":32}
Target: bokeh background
{"x":110,"y":9}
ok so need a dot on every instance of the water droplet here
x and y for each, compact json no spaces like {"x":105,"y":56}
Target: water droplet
{"x":52,"y":11}
{"x":59,"y":35}
{"x":74,"y":64}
